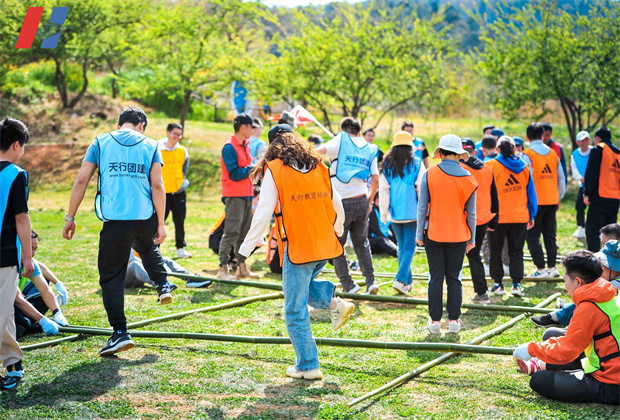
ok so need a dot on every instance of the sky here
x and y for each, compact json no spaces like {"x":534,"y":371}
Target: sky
{"x":293,"y":3}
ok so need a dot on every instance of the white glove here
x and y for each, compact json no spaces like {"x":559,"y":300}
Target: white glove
{"x":60,"y":319}
{"x":63,"y":294}
{"x":521,"y":352}
{"x":49,"y":326}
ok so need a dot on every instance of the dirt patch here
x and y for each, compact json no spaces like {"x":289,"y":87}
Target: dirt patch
{"x":53,"y":164}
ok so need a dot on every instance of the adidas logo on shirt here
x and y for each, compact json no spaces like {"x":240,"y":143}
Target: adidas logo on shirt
{"x":615,"y":167}
{"x":512,"y":184}
{"x":547,"y":174}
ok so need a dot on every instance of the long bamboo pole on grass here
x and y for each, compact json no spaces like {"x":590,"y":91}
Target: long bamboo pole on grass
{"x":330,"y":342}
{"x":526,"y":257}
{"x":495,"y":331}
{"x":425,"y":276}
{"x":226,"y":305}
{"x":374,"y":298}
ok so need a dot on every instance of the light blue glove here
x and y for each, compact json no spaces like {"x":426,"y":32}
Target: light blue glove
{"x":521,"y":352}
{"x":60,"y":319}
{"x":63,"y":294}
{"x":49,"y":326}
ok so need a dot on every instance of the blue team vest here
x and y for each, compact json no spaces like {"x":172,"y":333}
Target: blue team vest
{"x":403,"y":196}
{"x":7,"y":177}
{"x":124,"y":189}
{"x":418,"y":143}
{"x":581,"y":162}
{"x":254,"y":143}
{"x":353,"y":161}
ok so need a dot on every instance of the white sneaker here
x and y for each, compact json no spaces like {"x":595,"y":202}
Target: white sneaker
{"x":517,"y":291}
{"x":434,"y":326}
{"x":292,"y":372}
{"x":580,"y":233}
{"x":341,"y":314}
{"x":355,"y":289}
{"x":553,"y":272}
{"x":454,"y":326}
{"x":401,"y":288}
{"x":487,"y":270}
{"x":182,"y":253}
{"x":540,"y":273}
{"x":373,"y":289}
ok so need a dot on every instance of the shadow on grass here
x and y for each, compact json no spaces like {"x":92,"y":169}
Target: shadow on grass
{"x":84,"y":382}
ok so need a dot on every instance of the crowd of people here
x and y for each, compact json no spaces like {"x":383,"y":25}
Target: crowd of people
{"x":484,"y":200}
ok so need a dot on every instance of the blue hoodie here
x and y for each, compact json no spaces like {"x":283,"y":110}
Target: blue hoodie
{"x":517,"y":165}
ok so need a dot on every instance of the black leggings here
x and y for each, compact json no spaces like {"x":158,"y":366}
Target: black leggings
{"x":569,"y":383}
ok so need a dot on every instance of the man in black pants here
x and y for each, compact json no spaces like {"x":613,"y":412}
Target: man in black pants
{"x":601,"y":186}
{"x":131,"y":202}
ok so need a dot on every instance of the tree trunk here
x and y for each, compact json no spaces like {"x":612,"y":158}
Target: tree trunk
{"x":114,"y":88}
{"x":81,"y":93}
{"x":61,"y":84}
{"x":185,"y":108}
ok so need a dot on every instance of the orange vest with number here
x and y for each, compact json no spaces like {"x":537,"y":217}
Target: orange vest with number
{"x":484,"y":178}
{"x":172,"y":171}
{"x":447,"y":220}
{"x":511,"y":192}
{"x":609,"y":175}
{"x":306,"y":214}
{"x":545,"y":174}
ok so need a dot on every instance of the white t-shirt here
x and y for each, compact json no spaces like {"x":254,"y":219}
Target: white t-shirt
{"x":355,"y":187}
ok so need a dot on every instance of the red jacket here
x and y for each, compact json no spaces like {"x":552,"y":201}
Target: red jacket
{"x":587,"y":322}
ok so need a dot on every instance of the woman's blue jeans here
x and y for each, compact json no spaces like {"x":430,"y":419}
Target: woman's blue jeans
{"x":405,"y":236}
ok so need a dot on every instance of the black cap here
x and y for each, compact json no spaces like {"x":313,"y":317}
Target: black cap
{"x":278,"y":129}
{"x":244,"y":118}
{"x":467,"y":143}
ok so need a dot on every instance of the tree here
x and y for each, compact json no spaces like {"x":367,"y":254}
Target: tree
{"x":543,"y":53}
{"x":365,"y":57}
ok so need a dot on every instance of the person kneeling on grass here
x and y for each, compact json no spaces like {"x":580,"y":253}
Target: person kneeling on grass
{"x":583,"y":365}
{"x":310,"y":211}
{"x":137,"y":276}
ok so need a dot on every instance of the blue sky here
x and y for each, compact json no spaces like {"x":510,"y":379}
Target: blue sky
{"x":293,"y":3}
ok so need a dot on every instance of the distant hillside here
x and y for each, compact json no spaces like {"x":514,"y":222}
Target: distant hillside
{"x":462,"y":25}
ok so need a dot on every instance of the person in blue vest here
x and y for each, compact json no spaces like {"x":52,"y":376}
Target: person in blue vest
{"x":14,"y":242}
{"x":257,"y":146}
{"x":418,"y":143}
{"x":578,"y":165}
{"x":401,"y":174}
{"x":353,"y":161}
{"x":131,"y":202}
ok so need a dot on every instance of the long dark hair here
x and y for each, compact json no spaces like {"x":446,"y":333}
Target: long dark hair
{"x":293,"y":149}
{"x":396,"y":160}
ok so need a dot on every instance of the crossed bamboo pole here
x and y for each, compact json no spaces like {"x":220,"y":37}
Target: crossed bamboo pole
{"x":425,"y":276}
{"x":375,"y":298}
{"x":401,"y":379}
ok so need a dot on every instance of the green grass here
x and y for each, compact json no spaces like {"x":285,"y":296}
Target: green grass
{"x":167,"y":378}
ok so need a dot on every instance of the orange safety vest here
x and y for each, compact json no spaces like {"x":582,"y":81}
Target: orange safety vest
{"x":545,"y":174}
{"x":609,"y":175}
{"x":484,"y":178}
{"x":447,"y":220}
{"x":172,"y":171}
{"x":511,"y":192}
{"x":306,"y":214}
{"x":243,"y":188}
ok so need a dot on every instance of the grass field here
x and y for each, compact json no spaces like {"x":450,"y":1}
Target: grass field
{"x":170,"y":378}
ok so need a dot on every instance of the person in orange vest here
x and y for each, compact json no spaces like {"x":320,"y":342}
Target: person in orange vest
{"x":237,"y":195}
{"x":601,"y":186}
{"x":174,"y":172}
{"x":310,"y":217}
{"x":517,"y":210}
{"x":550,"y":188}
{"x":487,"y":209}
{"x":446,"y":228}
{"x":547,"y":138}
{"x":584,"y":364}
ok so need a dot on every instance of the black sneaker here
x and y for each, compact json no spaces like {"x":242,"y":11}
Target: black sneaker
{"x":544,"y":321}
{"x":198,"y":283}
{"x":120,"y":341}
{"x":8,"y":383}
{"x":16,"y":370}
{"x":164,"y":294}
{"x":173,"y":286}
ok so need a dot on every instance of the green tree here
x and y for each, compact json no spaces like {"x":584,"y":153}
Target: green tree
{"x":542,"y":53}
{"x":365,"y":57}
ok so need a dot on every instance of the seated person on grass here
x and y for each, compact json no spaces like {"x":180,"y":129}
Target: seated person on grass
{"x":584,"y":364}
{"x":137,"y":276}
{"x":37,"y":292}
{"x":30,"y":321}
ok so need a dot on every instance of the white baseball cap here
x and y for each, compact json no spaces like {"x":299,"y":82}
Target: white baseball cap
{"x":582,"y":135}
{"x":451,"y":143}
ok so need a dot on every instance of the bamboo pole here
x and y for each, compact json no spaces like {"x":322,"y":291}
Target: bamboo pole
{"x":375,"y":298}
{"x":526,"y":257}
{"x":425,"y":276}
{"x":330,"y":342}
{"x":495,"y":331}
{"x":231,"y":304}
